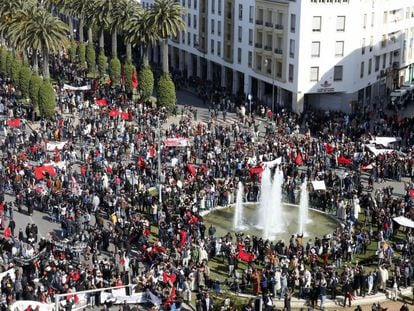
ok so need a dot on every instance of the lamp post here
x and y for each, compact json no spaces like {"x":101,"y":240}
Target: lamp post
{"x":249,"y":97}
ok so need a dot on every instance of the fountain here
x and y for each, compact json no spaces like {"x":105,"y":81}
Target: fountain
{"x":238,"y":219}
{"x":276,"y":214}
{"x":303,"y":208}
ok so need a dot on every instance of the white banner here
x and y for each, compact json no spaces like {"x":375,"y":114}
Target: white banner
{"x":273,"y":163}
{"x":76,"y":88}
{"x":385,"y":141}
{"x":176,"y":142}
{"x":318,"y":185}
{"x":50,"y":146}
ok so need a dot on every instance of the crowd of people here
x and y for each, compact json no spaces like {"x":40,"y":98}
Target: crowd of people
{"x":129,"y":202}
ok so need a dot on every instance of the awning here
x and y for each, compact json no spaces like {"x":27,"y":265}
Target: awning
{"x":404,"y":221}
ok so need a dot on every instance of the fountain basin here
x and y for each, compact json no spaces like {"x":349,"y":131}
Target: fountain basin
{"x":320,"y":223}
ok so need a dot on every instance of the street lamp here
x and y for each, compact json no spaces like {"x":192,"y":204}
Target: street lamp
{"x":267,"y":62}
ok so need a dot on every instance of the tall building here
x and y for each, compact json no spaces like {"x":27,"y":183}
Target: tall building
{"x":331,"y":54}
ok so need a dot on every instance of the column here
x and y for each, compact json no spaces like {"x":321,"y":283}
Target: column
{"x":247,"y":84}
{"x":235,"y":81}
{"x":298,"y":101}
{"x":181,"y":60}
{"x":209,"y":70}
{"x":223,"y":75}
{"x":189,"y":64}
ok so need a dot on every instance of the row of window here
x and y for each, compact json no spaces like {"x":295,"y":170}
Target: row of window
{"x":338,"y":73}
{"x":317,"y":23}
{"x":189,"y":4}
{"x":316,"y":48}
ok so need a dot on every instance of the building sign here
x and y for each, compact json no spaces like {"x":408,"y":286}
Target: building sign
{"x":325,"y":88}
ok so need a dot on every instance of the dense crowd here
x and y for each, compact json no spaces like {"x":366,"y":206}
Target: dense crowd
{"x":116,"y":229}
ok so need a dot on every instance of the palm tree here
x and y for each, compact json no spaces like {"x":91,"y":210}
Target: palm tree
{"x":139,"y":32}
{"x":8,"y":11}
{"x":167,"y":17}
{"x":42,"y":32}
{"x":123,"y":11}
{"x":77,"y":9}
{"x":98,"y":13}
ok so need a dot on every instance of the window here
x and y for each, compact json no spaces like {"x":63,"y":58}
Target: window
{"x":361,"y":73}
{"x":189,"y":4}
{"x":385,"y":18}
{"x":212,"y":26}
{"x":183,"y":2}
{"x":251,"y":14}
{"x":291,"y":73}
{"x":338,"y":73}
{"x":249,"y":59}
{"x":195,"y":4}
{"x":316,"y":48}
{"x":339,"y":48}
{"x":212,"y":46}
{"x":316,"y":23}
{"x":384,"y":61}
{"x":219,"y":28}
{"x":240,"y":33}
{"x":219,"y":7}
{"x":218,"y":48}
{"x":363,"y":46}
{"x":250,"y":36}
{"x":292,"y":23}
{"x":278,"y":69}
{"x":213,"y":6}
{"x":369,"y":66}
{"x":240,"y":12}
{"x":340,"y":23}
{"x":183,"y":36}
{"x":364,"y":23}
{"x":239,"y":55}
{"x":314,"y":74}
{"x":372,"y":19}
{"x":195,"y":21}
{"x":371,"y":43}
{"x":377,"y":63}
{"x":189,"y":20}
{"x":390,"y":60}
{"x":292,"y":48}
{"x":188,"y":38}
{"x":195,"y":41}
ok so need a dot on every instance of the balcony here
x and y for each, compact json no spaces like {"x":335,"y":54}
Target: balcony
{"x":278,"y":51}
{"x":269,"y":24}
{"x":259,"y":22}
{"x":279,"y":26}
{"x":258,"y":45}
{"x":267,"y":48}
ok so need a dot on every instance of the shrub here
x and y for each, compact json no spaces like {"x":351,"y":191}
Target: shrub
{"x":16,"y":66}
{"x":47,"y":99}
{"x":9,"y":63}
{"x":91,"y":58}
{"x":128,"y":70}
{"x":102,"y":61}
{"x":24,"y":81}
{"x":34,"y":86}
{"x":82,"y":59}
{"x":72,"y":51}
{"x":115,"y":71}
{"x":146,"y":82}
{"x":3,"y":60}
{"x":166,"y":92}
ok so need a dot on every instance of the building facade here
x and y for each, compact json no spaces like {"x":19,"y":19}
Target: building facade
{"x":329,"y":54}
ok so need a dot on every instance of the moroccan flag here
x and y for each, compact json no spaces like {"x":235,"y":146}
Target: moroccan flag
{"x":245,"y":256}
{"x":412,"y":193}
{"x":329,"y":148}
{"x":14,"y":122}
{"x":191,"y":169}
{"x":113,"y":113}
{"x":109,"y":169}
{"x":41,"y":170}
{"x":7,"y":232}
{"x":298,"y":159}
{"x":344,"y":161}
{"x":125,"y":116}
{"x":134,"y":80}
{"x":102,"y":102}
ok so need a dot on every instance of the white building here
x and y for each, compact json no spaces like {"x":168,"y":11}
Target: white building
{"x":333,"y":54}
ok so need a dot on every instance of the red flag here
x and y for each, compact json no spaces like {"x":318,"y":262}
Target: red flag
{"x":298,"y":159}
{"x":7,"y":232}
{"x":134,"y":80}
{"x":41,"y":170}
{"x":344,"y":161}
{"x":102,"y":102}
{"x":113,"y":113}
{"x":191,"y":169}
{"x":171,"y":297}
{"x":109,"y":169}
{"x":245,"y":256}
{"x":125,"y":116}
{"x":329,"y":148}
{"x":412,"y":193}
{"x":14,"y":122}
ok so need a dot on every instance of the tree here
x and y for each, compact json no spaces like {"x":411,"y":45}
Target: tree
{"x":15,"y":68}
{"x":3,"y":60}
{"x":122,"y":11}
{"x":115,"y":71}
{"x":82,"y":57}
{"x":77,"y":9}
{"x":146,"y":82}
{"x":129,"y":69}
{"x":166,"y":96}
{"x":98,"y":13}
{"x":102,"y":63}
{"x":34,"y":87}
{"x":24,"y":81}
{"x":167,"y":18}
{"x":91,"y":58}
{"x":47,"y":99}
{"x":72,"y":50}
{"x":9,"y":62}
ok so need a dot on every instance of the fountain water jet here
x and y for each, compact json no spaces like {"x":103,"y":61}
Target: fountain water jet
{"x":303,"y":208}
{"x":265,"y":203}
{"x":276,"y":213}
{"x":238,"y":219}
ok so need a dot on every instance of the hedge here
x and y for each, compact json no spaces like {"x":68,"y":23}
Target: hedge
{"x":9,"y":63}
{"x":102,"y":62}
{"x":82,"y":57}
{"x":47,"y":99}
{"x":3,"y":60}
{"x":91,"y":58}
{"x":128,"y":70}
{"x":72,"y":51}
{"x":146,"y":82}
{"x":24,"y":81}
{"x":115,"y":71}
{"x":35,"y":83}
{"x":166,"y":96}
{"x":16,"y":66}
